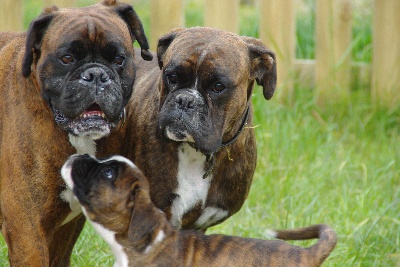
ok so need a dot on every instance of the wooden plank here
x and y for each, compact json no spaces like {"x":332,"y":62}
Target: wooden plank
{"x":11,"y":15}
{"x":164,"y":16}
{"x":386,"y":54}
{"x":304,"y":74}
{"x":222,"y":14}
{"x":59,"y":3}
{"x":277,"y":30}
{"x":333,"y":40}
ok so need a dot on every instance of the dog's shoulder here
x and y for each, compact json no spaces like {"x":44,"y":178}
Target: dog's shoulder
{"x":7,"y":38}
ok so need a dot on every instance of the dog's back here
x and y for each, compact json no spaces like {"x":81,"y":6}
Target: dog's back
{"x":8,"y":37}
{"x":221,"y":250}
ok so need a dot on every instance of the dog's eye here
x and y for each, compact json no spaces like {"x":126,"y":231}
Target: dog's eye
{"x":108,"y":173}
{"x":172,"y":78}
{"x":119,"y":60}
{"x":218,"y":88}
{"x":67,"y":59}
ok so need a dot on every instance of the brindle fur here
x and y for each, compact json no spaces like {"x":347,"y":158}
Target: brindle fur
{"x":122,"y":205}
{"x":32,"y":147}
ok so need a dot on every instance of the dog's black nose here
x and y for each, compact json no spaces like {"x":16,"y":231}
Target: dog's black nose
{"x":185,"y":101}
{"x":96,"y":76}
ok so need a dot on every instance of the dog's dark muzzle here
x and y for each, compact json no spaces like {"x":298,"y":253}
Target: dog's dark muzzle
{"x":92,"y":102}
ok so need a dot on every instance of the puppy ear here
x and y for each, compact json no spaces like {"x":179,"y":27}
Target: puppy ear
{"x":263,"y":65}
{"x":145,"y":220}
{"x":34,"y":38}
{"x":163,"y":44}
{"x":128,"y":14}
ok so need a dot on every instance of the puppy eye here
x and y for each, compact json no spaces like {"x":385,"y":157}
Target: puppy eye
{"x":119,"y":60}
{"x":108,"y":173}
{"x":218,"y":88}
{"x":172,"y":78}
{"x":67,"y":59}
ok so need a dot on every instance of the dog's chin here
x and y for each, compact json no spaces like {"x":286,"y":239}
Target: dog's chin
{"x":91,"y":124}
{"x":178,"y":136}
{"x":194,"y":140}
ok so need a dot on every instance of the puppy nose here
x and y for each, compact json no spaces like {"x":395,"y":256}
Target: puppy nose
{"x":185,"y":101}
{"x":96,"y":76}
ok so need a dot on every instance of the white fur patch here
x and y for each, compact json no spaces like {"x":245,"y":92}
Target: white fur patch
{"x":209,"y":216}
{"x":74,"y":205}
{"x":271,"y":233}
{"x":159,"y":238}
{"x":120,"y":159}
{"x":67,"y":194}
{"x":83,"y":144}
{"x":192,"y":188}
{"x":121,"y":259}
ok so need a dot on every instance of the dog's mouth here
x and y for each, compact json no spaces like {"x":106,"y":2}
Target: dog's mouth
{"x":91,"y":123}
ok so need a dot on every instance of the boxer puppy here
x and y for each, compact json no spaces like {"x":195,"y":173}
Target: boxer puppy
{"x":115,"y":198}
{"x":190,"y":122}
{"x":68,"y":78}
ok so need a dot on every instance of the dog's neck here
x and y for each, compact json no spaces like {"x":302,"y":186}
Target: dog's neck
{"x":82,"y":144}
{"x":148,"y":237}
{"x":138,"y":248}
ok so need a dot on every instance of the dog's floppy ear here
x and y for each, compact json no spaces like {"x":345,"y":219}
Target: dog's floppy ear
{"x":144,"y":221}
{"x":128,"y":14}
{"x":263,"y":65}
{"x":163,"y":44}
{"x":34,"y":38}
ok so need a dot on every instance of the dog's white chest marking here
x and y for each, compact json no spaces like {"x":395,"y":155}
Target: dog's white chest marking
{"x":192,"y":188}
{"x":83,"y":145}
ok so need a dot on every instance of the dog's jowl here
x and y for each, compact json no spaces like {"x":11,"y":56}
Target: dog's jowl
{"x":67,"y":79}
{"x":115,"y":198}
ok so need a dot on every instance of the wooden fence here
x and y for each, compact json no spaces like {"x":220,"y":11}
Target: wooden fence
{"x":332,"y":71}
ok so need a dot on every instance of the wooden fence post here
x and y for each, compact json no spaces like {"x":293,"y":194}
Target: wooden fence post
{"x":222,"y":14}
{"x":386,"y":54}
{"x":59,"y":3}
{"x":333,"y":57}
{"x":11,"y":15}
{"x":277,"y":31}
{"x":165,"y":15}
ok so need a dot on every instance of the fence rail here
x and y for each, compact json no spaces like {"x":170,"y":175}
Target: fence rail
{"x":332,"y":71}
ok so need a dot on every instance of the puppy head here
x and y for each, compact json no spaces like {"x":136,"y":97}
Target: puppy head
{"x":82,"y":59}
{"x":115,"y":197}
{"x":106,"y":189}
{"x":208,"y":76}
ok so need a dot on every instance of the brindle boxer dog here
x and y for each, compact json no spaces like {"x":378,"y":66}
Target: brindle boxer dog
{"x":115,"y":198}
{"x":68,"y":78}
{"x":190,"y":122}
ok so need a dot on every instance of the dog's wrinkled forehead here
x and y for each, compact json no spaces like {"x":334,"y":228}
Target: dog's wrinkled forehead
{"x":89,"y":26}
{"x":209,"y":49}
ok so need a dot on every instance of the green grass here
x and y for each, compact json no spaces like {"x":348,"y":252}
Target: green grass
{"x":336,"y":165}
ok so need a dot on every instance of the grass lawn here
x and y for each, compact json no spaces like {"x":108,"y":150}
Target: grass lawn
{"x":337,"y":165}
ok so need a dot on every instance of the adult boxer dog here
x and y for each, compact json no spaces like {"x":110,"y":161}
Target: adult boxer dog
{"x":190,"y":122}
{"x":115,"y":198}
{"x":68,"y":78}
